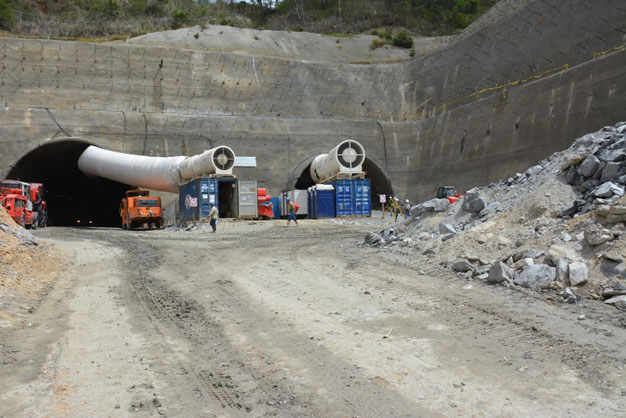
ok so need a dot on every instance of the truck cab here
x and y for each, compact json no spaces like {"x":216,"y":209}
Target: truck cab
{"x":139,"y":209}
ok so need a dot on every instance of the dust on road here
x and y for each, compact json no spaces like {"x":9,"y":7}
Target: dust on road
{"x":265,"y":320}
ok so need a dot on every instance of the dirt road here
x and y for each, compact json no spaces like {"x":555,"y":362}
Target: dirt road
{"x":265,"y":320}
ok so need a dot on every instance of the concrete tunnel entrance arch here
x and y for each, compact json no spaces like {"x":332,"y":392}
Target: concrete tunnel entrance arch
{"x":300,"y":178}
{"x":74,"y":199}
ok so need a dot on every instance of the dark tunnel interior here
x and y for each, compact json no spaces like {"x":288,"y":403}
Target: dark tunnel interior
{"x":73,"y":198}
{"x":381,"y":184}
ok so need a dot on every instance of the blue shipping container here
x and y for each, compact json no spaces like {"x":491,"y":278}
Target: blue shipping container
{"x":194,"y":198}
{"x":353,"y":197}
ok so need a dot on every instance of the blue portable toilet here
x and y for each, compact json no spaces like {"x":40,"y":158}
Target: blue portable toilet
{"x":325,"y":201}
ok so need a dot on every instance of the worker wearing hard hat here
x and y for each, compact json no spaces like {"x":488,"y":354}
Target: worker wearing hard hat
{"x":407,"y":208}
{"x":396,"y":207}
{"x":213,"y":216}
{"x":291,"y":208}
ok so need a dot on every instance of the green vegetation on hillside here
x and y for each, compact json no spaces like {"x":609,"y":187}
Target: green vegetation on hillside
{"x":122,"y":18}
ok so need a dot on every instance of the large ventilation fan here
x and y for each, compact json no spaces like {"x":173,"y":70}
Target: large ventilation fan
{"x":350,"y":154}
{"x":224,"y":158}
{"x":345,"y":159}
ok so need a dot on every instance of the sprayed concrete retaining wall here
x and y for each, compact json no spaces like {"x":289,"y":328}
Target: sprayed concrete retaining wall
{"x":519,"y":84}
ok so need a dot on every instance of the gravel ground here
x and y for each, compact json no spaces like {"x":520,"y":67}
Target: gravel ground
{"x":262,"y":319}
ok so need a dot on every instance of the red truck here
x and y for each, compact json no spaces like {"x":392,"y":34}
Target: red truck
{"x":26,"y":201}
{"x":17,"y":205}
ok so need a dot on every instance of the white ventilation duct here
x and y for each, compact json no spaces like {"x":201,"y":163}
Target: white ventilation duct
{"x":157,"y":173}
{"x":347,"y":157}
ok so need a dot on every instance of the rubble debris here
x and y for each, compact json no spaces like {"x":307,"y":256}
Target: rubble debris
{"x":560,"y":223}
{"x":568,"y":296}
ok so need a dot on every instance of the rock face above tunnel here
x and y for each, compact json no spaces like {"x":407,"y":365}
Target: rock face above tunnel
{"x":473,"y":112}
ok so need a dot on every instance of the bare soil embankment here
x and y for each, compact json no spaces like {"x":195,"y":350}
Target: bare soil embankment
{"x":28,"y":269}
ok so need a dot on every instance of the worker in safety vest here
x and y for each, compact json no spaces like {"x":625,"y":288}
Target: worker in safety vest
{"x":213,"y":216}
{"x":292,"y":211}
{"x":396,"y":207}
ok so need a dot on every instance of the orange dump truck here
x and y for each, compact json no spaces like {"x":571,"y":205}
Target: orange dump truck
{"x":139,"y":209}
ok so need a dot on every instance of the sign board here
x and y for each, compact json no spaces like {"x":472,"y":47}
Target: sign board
{"x":245,"y":161}
{"x":383,"y":198}
{"x":191,"y":202}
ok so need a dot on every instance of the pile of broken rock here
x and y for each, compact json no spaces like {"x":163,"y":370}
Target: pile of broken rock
{"x":526,"y":232}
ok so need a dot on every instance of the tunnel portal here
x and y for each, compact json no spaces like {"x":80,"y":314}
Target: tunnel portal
{"x":73,"y":198}
{"x":380,"y":181}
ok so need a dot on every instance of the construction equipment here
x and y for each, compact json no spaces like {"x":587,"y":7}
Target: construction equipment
{"x":266,"y":207}
{"x":343,"y":161}
{"x":36,"y":207}
{"x":17,"y":205}
{"x":138,"y":209}
{"x":448,"y":192}
{"x":165,"y":174}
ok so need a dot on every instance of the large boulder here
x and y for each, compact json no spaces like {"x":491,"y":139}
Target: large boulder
{"x":618,"y":301}
{"x":611,"y":171}
{"x":616,"y":214}
{"x":445,"y":228}
{"x":499,"y":272}
{"x":596,"y":235}
{"x":610,"y":155}
{"x":534,"y":276}
{"x":477,"y":205}
{"x":462,"y":265}
{"x":432,"y":205}
{"x":578,"y":273}
{"x":608,"y":189}
{"x":589,"y":166}
{"x":559,"y":251}
{"x":472,"y":202}
{"x":562,"y":268}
